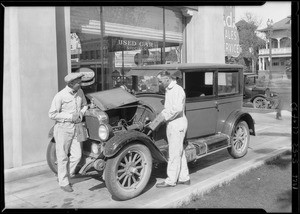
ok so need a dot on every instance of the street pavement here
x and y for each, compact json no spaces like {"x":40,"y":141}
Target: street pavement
{"x":273,"y":137}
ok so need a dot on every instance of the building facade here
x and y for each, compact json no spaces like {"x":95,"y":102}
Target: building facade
{"x":281,"y":52}
{"x":43,"y":44}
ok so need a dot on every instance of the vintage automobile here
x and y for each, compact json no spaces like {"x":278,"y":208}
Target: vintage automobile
{"x":257,"y":94}
{"x":124,"y":148}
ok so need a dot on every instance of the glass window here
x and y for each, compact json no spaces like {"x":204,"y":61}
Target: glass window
{"x":85,"y":42}
{"x":285,"y":42}
{"x":132,"y":36}
{"x":148,"y":84}
{"x":274,"y":43}
{"x":174,"y":38}
{"x":198,"y":84}
{"x":228,"y":83}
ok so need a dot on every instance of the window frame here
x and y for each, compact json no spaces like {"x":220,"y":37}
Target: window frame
{"x":239,"y":83}
{"x":200,"y":98}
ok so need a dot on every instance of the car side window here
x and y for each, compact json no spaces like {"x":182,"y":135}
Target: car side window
{"x":199,"y":84}
{"x":228,"y":83}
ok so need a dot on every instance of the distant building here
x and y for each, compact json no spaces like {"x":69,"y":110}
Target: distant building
{"x":281,"y":47}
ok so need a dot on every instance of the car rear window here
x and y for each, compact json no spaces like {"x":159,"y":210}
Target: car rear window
{"x":228,"y":83}
{"x":198,"y":84}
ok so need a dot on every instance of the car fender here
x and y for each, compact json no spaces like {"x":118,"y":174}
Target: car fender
{"x":234,"y":118}
{"x":119,"y":140}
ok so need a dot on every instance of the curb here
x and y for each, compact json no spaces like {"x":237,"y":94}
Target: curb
{"x":26,"y":171}
{"x":186,"y":195}
{"x":266,"y":111}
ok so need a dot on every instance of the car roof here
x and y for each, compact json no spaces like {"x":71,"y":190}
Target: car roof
{"x":250,"y":75}
{"x":152,"y":72}
{"x":175,"y":69}
{"x":187,"y":66}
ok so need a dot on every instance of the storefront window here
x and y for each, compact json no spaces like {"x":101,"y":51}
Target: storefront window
{"x":174,"y":39}
{"x":132,"y":36}
{"x":85,"y":28}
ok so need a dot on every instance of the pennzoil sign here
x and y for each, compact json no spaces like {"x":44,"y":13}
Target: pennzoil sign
{"x":232,"y":46}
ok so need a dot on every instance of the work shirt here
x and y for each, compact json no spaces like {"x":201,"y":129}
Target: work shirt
{"x":65,"y":104}
{"x":174,"y":106}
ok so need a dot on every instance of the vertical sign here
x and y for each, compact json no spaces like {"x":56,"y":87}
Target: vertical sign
{"x":75,"y":47}
{"x":75,"y":44}
{"x":232,"y":46}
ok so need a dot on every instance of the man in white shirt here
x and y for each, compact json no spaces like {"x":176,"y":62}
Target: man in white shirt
{"x":67,"y":109}
{"x":173,"y":114}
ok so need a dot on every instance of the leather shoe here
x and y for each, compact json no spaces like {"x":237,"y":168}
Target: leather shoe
{"x":188,"y":182}
{"x":67,"y":188}
{"x":163,"y":184}
{"x":58,"y":182}
{"x":75,"y":175}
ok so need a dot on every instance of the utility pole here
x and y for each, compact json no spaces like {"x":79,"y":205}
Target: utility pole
{"x":270,"y":32}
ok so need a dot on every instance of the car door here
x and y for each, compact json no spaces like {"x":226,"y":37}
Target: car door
{"x":230,"y":96}
{"x":201,"y":105}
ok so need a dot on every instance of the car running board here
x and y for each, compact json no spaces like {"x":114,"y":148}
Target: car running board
{"x":200,"y":147}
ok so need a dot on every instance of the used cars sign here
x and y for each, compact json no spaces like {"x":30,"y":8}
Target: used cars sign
{"x":232,"y":46}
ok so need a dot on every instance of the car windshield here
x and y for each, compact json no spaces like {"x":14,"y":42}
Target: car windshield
{"x":251,"y":80}
{"x":149,"y":84}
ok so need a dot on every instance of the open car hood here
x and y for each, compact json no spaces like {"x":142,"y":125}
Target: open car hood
{"x":113,"y":98}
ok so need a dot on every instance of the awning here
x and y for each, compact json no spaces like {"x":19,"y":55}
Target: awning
{"x":152,"y":72}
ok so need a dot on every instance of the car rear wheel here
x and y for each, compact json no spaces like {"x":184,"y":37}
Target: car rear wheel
{"x":239,"y":140}
{"x":51,"y":157}
{"x":260,"y":103}
{"x":127,"y":174}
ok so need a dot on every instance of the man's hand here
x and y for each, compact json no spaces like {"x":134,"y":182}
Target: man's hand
{"x":80,"y":116}
{"x":156,"y":122}
{"x":77,"y":117}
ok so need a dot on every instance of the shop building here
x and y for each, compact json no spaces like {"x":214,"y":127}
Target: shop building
{"x":43,"y":44}
{"x":281,"y":52}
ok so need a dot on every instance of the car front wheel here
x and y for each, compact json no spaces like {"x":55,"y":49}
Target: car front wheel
{"x":127,"y":174}
{"x":239,"y":140}
{"x":260,"y":103}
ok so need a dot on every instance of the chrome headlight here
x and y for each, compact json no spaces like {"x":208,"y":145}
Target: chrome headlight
{"x":95,"y":148}
{"x":104,"y":132}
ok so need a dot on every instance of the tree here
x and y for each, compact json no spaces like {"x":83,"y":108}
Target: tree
{"x":249,"y":41}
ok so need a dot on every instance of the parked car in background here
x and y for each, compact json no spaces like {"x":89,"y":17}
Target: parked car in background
{"x":122,"y":146}
{"x":257,"y":94}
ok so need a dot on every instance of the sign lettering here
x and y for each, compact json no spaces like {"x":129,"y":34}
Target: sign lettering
{"x":232,"y":47}
{"x":134,"y":43}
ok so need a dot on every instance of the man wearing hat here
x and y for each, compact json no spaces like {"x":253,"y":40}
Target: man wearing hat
{"x":67,"y":109}
{"x":174,"y":116}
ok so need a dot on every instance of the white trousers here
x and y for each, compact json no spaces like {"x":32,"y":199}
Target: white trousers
{"x":66,"y":142}
{"x":177,"y":169}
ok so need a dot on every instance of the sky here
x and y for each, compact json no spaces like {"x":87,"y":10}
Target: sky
{"x":270,"y":10}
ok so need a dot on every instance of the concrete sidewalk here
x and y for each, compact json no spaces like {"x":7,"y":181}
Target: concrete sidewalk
{"x":41,"y":191}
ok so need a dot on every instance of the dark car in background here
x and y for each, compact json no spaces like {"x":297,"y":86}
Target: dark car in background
{"x":259,"y":96}
{"x":121,"y":143}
